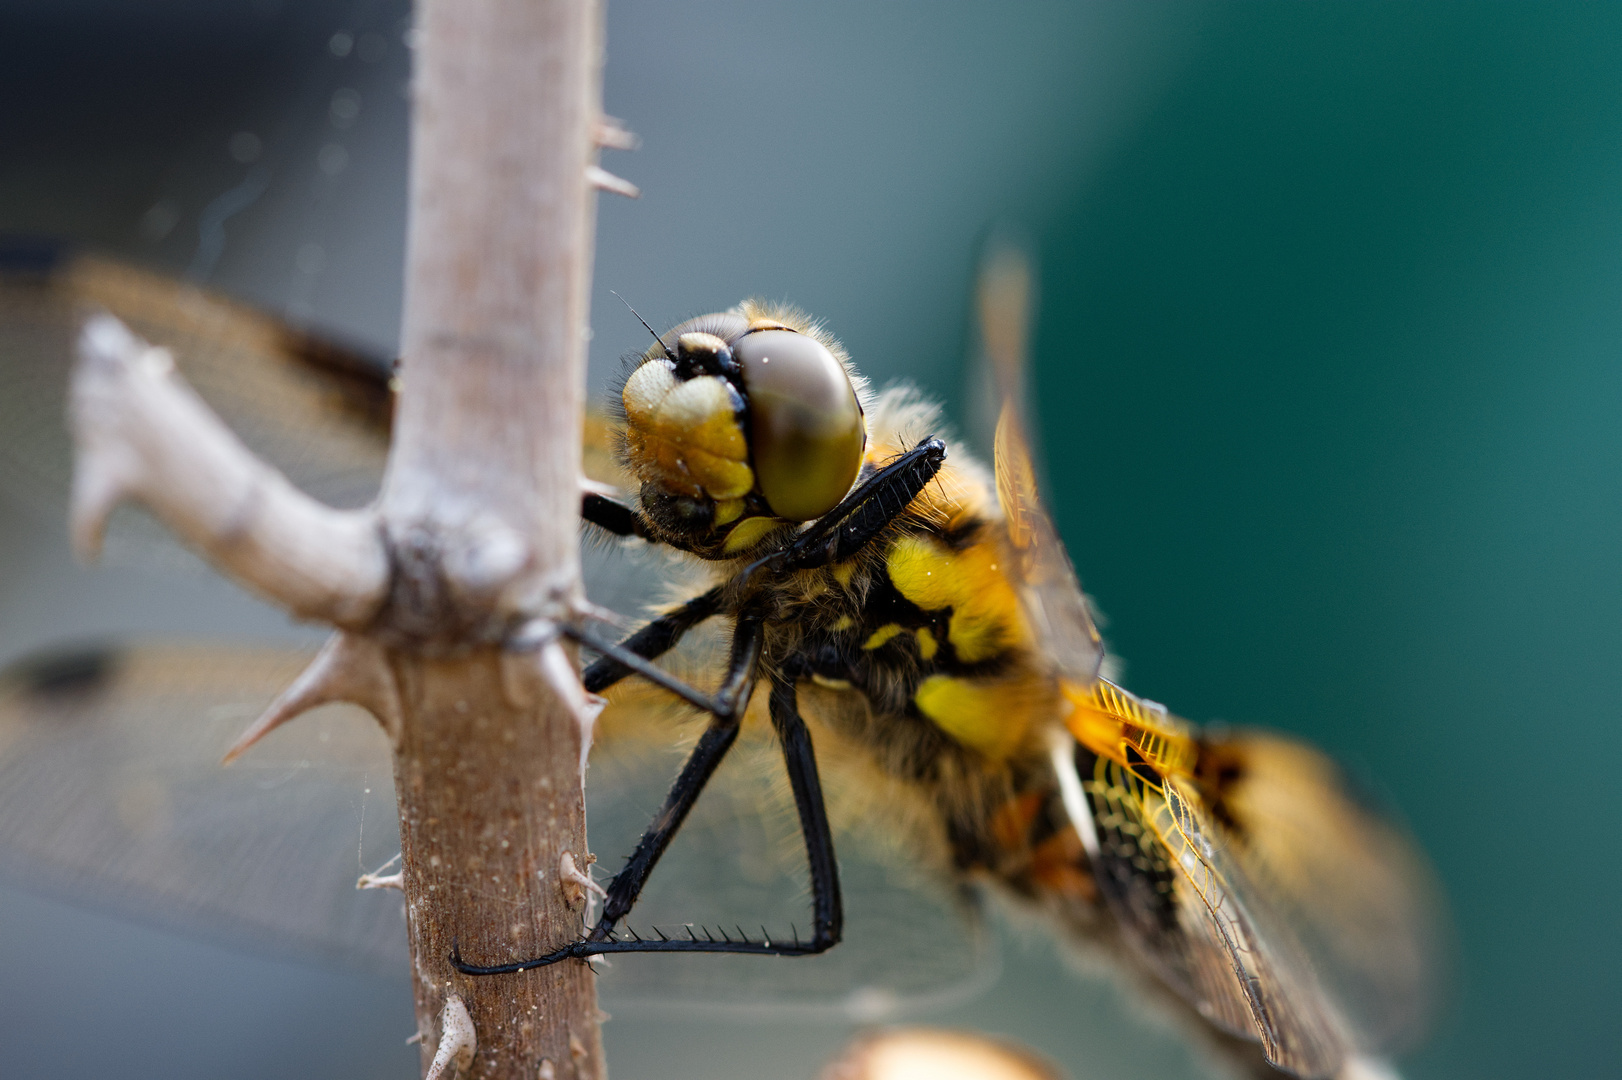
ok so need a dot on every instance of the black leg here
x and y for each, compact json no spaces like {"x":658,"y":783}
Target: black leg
{"x":865,"y":512}
{"x":654,"y":639}
{"x":827,"y":906}
{"x":861,"y":515}
{"x":732,"y":699}
{"x":624,"y":657}
{"x":612,"y":515}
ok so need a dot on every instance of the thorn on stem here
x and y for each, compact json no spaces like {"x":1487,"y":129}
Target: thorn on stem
{"x":603,"y":180}
{"x":377,"y":879}
{"x":559,"y":673}
{"x":349,"y":668}
{"x":611,"y":135}
{"x":577,"y":885}
{"x":457,"y":1042}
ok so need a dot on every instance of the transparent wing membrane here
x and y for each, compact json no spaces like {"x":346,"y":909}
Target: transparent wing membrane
{"x":1048,"y":588}
{"x":738,"y":867}
{"x":1358,"y":901}
{"x":111,"y":791}
{"x":1305,"y":922}
{"x":317,"y":411}
{"x":112,"y":794}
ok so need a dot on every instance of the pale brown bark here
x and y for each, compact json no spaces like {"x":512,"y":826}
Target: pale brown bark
{"x":489,"y":800}
{"x":481,"y":504}
{"x":474,"y":534}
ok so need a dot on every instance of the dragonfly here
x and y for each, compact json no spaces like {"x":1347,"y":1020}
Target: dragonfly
{"x":914,"y":618}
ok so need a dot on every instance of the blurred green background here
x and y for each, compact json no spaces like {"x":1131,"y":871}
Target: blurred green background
{"x":1329,"y":368}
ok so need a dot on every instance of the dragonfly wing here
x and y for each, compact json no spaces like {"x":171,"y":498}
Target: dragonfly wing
{"x":1051,"y":595}
{"x":1301,"y":1026}
{"x":317,"y":410}
{"x":1138,"y":875}
{"x":110,"y":786}
{"x":111,"y":793}
{"x":1351,"y":885}
{"x":1227,"y":916}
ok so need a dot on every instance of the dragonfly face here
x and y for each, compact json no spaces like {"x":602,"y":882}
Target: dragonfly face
{"x":738,"y":424}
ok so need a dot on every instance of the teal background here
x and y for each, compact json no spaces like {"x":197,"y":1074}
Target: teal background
{"x":1331,"y":364}
{"x":1329,"y":367}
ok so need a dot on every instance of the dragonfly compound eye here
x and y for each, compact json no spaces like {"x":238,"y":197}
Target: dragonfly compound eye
{"x":805,"y":425}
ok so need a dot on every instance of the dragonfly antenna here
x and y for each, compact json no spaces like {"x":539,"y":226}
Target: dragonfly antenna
{"x":644,"y":322}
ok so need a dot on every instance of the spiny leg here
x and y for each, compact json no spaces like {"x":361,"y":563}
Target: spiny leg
{"x":718,"y":738}
{"x":653,"y":640}
{"x":657,"y":637}
{"x":631,"y":661}
{"x":726,"y":708}
{"x":827,"y":905}
{"x":861,"y":515}
{"x":865,"y":512}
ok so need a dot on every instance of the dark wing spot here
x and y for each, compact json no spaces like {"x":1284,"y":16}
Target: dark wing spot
{"x":68,"y":672}
{"x":359,"y":377}
{"x":30,"y":256}
{"x":1218,"y":771}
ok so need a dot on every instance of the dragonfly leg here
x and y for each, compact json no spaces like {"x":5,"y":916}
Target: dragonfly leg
{"x":861,"y":515}
{"x":713,"y":745}
{"x":628,"y":658}
{"x":827,"y":905}
{"x":612,"y":515}
{"x":654,"y":639}
{"x":727,"y":709}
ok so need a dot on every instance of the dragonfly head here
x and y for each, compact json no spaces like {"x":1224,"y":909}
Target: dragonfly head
{"x":740,"y":423}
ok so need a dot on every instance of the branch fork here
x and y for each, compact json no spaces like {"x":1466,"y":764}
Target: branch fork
{"x":141,"y":433}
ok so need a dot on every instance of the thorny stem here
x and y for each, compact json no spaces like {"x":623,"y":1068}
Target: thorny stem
{"x":474,"y":533}
{"x":482,"y":497}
